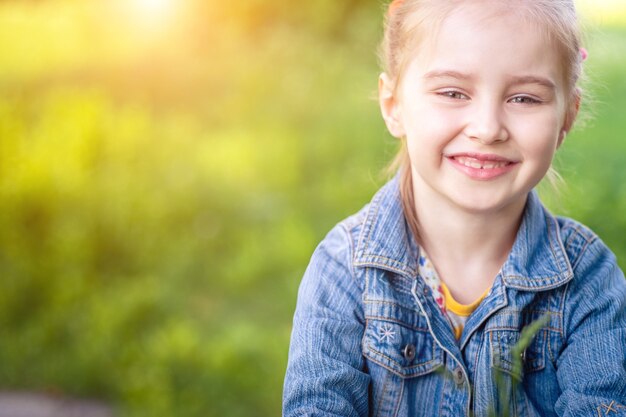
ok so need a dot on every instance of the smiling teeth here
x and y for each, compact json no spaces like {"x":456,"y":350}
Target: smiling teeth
{"x":474,"y":163}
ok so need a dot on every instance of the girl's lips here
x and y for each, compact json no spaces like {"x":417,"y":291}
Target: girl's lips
{"x":482,"y":166}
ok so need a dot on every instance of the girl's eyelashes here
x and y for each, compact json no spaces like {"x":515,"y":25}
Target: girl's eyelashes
{"x":453,"y":94}
{"x":524,"y":100}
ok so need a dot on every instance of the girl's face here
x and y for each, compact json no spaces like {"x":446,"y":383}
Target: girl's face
{"x":483,"y":105}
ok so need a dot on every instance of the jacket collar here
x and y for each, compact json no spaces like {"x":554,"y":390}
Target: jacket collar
{"x":386,"y":241}
{"x":538,"y":260}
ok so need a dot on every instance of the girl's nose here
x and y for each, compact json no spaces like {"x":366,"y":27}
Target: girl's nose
{"x":486,"y":124}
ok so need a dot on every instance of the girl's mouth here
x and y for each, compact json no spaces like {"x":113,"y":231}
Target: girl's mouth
{"x":482,"y":166}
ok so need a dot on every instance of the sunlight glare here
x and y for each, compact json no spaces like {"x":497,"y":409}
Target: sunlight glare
{"x":154,"y":10}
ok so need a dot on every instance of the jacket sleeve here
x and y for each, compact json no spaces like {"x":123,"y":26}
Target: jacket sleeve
{"x":591,"y":368}
{"x":325,"y":375}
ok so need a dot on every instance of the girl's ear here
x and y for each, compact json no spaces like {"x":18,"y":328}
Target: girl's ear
{"x":389,"y":106}
{"x":570,"y":116}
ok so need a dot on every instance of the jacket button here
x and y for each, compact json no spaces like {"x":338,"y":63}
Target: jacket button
{"x":458,"y":376}
{"x":409,"y":352}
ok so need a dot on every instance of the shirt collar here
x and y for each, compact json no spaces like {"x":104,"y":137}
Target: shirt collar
{"x":538,"y":260}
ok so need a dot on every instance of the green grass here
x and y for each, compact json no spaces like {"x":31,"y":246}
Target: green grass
{"x":161,"y":193}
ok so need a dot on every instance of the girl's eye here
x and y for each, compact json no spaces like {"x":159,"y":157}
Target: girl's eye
{"x":524,"y":100}
{"x":455,"y":95}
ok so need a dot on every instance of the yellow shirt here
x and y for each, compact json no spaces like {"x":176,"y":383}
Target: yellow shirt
{"x":456,"y":312}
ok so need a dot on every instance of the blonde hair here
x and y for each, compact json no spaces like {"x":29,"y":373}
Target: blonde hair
{"x":409,"y":22}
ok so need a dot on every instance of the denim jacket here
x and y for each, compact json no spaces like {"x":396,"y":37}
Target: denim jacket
{"x":369,"y":340}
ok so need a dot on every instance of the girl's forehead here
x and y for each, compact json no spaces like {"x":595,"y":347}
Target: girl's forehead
{"x":474,"y":26}
{"x":487,"y":43}
{"x":481,"y":13}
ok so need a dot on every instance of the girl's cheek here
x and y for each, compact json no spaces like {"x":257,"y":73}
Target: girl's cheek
{"x":537,"y":132}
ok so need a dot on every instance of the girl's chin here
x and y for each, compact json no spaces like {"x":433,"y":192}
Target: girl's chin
{"x":488,"y":201}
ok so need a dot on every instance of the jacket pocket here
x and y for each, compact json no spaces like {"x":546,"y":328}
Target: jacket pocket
{"x":405,"y":349}
{"x":516,"y":362}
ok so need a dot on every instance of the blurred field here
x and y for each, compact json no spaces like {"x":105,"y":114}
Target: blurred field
{"x":166,"y":173}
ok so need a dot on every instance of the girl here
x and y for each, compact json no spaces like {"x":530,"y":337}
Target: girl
{"x":415,"y":305}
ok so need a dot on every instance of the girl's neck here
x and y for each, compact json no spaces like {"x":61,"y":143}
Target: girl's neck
{"x":467,"y":248}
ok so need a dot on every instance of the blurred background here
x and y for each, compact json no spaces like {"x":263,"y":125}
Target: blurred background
{"x":168,"y":166}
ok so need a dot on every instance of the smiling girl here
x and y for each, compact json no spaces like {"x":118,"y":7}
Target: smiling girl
{"x":412,"y":306}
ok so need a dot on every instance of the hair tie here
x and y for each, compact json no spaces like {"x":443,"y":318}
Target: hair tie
{"x":583,"y":54}
{"x":394,"y":5}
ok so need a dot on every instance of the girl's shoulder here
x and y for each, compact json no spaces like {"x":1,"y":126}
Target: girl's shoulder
{"x":574,"y":232}
{"x":596,"y":273}
{"x":583,"y":245}
{"x":571,"y":245}
{"x":341,"y":241}
{"x":353,"y":224}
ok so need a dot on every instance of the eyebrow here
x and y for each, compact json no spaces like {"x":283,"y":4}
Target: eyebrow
{"x":447,"y":74}
{"x":531,"y":79}
{"x":525,"y":79}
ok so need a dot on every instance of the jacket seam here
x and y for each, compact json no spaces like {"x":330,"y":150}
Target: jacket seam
{"x":408,"y":368}
{"x":517,"y":329}
{"x":364,"y":238}
{"x":553,"y":229}
{"x":564,"y":333}
{"x":578,"y":231}
{"x":386,"y":267}
{"x":381,"y":396}
{"x":399,"y":322}
{"x":399,"y":399}
{"x":350,"y":248}
{"x":582,"y":252}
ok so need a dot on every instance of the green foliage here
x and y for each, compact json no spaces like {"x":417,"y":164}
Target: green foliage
{"x":508,"y":383}
{"x":161,"y":190}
